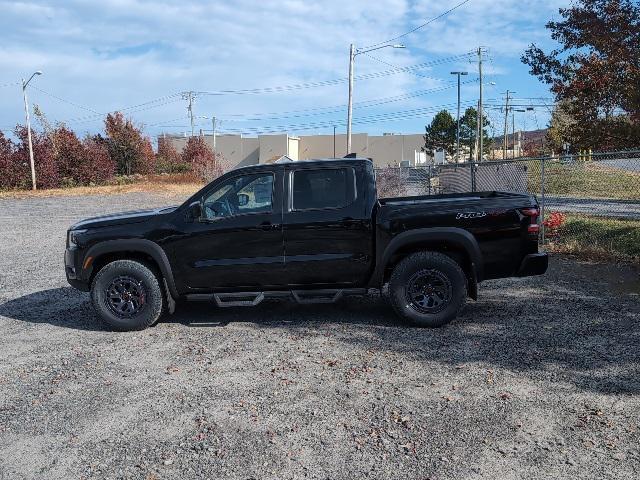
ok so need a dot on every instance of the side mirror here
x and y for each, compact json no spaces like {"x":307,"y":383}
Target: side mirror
{"x":243,"y":199}
{"x":194,"y":212}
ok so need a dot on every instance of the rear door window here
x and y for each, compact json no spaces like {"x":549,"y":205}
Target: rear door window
{"x":323,"y":188}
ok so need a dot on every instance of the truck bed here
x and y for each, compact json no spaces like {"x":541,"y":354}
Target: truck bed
{"x":452,"y":197}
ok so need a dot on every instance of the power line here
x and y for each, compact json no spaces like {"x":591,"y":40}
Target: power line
{"x":165,"y":100}
{"x":9,"y":84}
{"x":167,"y":121}
{"x":65,"y":101}
{"x":395,"y":66}
{"x":420,"y":26}
{"x":325,"y":83}
{"x":391,"y":116}
{"x":159,"y":102}
{"x":338,"y":108}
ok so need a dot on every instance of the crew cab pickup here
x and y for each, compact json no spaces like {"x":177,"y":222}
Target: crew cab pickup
{"x":311,"y":231}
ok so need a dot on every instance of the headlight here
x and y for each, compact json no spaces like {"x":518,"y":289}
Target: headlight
{"x":72,"y":237}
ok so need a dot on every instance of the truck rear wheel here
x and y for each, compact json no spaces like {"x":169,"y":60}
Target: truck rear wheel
{"x":428,"y":289}
{"x":127,"y":295}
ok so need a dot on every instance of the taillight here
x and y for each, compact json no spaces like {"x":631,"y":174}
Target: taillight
{"x":530,"y":212}
{"x":533,"y":228}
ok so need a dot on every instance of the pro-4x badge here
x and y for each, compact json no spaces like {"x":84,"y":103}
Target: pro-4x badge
{"x":471,"y":215}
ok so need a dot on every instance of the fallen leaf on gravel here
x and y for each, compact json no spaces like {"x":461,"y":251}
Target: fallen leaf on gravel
{"x":408,"y":447}
{"x":489,"y":376}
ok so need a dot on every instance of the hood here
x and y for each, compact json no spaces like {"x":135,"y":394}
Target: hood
{"x":121,"y":218}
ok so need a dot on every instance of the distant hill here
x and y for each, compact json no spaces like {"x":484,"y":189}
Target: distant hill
{"x":530,"y":136}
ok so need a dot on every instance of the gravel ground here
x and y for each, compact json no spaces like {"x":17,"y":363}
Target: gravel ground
{"x":538,"y":379}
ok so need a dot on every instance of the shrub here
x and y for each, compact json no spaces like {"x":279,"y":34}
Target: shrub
{"x":553,"y":223}
{"x":168,"y":160}
{"x":69,"y":156}
{"x":201,"y":159}
{"x":130,"y":150}
{"x":390,"y":182}
{"x":15,"y":174}
{"x":44,"y":160}
{"x":146,"y":163}
{"x":98,"y":166}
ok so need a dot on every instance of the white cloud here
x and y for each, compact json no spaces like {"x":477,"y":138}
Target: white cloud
{"x":116,"y":53}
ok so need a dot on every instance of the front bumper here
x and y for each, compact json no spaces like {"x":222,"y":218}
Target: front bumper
{"x":533,"y":264}
{"x":73,"y":269}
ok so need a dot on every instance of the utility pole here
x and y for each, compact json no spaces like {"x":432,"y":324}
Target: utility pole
{"x":188,"y":96}
{"x":513,"y":132}
{"x":506,"y":116}
{"x":458,"y":117}
{"x":26,"y":113}
{"x":352,"y":57}
{"x":476,"y":144}
{"x":480,"y":114}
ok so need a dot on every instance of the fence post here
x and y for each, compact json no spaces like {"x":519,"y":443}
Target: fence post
{"x":429,"y":179}
{"x":542,"y":178}
{"x":473,"y":177}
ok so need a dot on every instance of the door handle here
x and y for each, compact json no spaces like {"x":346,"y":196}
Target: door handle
{"x":269,"y":226}
{"x":349,"y":221}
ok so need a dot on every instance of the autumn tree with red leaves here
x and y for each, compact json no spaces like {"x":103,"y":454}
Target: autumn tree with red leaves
{"x":595,"y":72}
{"x":15,"y":174}
{"x":44,"y":159}
{"x":201,"y":159}
{"x":131,"y":151}
{"x":168,"y":160}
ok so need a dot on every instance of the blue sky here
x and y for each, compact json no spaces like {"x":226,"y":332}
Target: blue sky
{"x":139,"y":55}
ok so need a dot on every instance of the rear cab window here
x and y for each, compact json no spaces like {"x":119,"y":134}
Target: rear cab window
{"x":322,"y":188}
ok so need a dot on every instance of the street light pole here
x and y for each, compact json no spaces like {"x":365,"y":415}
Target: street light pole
{"x":334,"y":141}
{"x":458,"y":117}
{"x":26,"y":113}
{"x":353,"y":51}
{"x":352,"y":58}
{"x":213,"y":125}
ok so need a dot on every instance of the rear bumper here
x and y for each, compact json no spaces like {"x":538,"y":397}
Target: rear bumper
{"x":533,"y":264}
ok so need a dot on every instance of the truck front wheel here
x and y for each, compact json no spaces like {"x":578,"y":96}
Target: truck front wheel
{"x":127,"y":295}
{"x":428,"y":289}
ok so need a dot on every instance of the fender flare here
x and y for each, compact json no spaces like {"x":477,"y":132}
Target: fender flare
{"x":446,"y":235}
{"x":135,"y":245}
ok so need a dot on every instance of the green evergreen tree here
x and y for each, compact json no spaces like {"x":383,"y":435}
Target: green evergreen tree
{"x":440,"y":134}
{"x":469,"y":132}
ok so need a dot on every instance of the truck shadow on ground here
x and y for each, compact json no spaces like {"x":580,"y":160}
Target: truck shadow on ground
{"x":563,"y":333}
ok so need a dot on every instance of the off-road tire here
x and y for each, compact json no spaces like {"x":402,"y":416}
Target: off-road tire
{"x":447,"y":271}
{"x":147,"y":282}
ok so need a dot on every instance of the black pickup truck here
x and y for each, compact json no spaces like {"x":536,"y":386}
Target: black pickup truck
{"x":311,"y":231}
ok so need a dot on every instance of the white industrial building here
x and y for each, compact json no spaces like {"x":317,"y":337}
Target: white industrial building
{"x":384,"y":150}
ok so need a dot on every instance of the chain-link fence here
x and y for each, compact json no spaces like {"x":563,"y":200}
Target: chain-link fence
{"x":589,"y":202}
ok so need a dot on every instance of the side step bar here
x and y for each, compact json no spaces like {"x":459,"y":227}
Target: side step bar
{"x":251,"y":299}
{"x":238,"y":299}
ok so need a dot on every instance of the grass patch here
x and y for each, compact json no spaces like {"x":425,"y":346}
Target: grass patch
{"x":170,"y":185}
{"x":598,"y":236}
{"x":585,"y":179}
